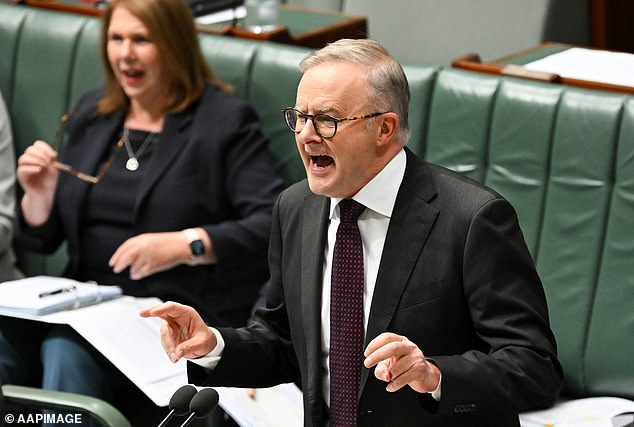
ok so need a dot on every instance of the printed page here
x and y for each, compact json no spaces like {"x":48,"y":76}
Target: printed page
{"x":615,"y":68}
{"x":132,"y":344}
{"x":588,"y":412}
{"x":279,"y":406}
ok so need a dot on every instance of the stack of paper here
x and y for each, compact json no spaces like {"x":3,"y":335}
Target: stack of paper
{"x":588,"y":412}
{"x":616,"y":68}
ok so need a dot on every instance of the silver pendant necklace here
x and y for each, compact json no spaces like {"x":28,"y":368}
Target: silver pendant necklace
{"x":132,"y":163}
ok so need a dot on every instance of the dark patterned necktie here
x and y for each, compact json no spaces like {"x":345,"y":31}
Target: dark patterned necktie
{"x":346,"y":317}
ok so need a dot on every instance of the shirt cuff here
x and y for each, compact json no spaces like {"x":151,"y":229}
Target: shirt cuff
{"x":436,"y":393}
{"x":210,"y":361}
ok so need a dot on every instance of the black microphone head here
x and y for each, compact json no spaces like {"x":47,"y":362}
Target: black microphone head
{"x":181,"y":398}
{"x":204,"y":402}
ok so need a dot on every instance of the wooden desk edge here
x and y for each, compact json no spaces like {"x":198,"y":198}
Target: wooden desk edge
{"x":64,"y":7}
{"x":472,"y":62}
{"x":354,"y":26}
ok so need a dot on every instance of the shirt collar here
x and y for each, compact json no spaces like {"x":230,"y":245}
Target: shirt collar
{"x":379,"y":195}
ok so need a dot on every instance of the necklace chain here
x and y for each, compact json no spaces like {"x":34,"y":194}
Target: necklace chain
{"x":133,"y":158}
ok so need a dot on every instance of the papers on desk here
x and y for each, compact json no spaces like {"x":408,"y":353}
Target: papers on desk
{"x":45,"y":294}
{"x":279,"y":406}
{"x":588,"y":412}
{"x":129,"y":341}
{"x":616,"y":68}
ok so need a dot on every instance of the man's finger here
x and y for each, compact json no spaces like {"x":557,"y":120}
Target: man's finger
{"x":380,"y":341}
{"x":395,"y":349}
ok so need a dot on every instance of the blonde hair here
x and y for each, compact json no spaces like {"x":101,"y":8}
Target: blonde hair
{"x":171,"y":27}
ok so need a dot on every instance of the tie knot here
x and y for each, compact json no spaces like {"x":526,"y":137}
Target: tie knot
{"x":350,"y":210}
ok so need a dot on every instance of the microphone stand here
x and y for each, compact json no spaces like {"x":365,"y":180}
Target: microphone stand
{"x":189,"y":419}
{"x":167,"y":418}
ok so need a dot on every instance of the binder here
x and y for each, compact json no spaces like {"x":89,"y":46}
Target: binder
{"x":41,"y":295}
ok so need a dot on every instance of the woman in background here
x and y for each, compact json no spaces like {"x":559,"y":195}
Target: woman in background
{"x":177,"y":197}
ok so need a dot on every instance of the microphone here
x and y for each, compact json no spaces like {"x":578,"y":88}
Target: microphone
{"x":179,"y":403}
{"x":202,"y":404}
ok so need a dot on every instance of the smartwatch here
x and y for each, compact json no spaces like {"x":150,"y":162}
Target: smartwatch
{"x":196,"y":245}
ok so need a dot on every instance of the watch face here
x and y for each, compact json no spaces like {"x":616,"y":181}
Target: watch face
{"x":198,"y":248}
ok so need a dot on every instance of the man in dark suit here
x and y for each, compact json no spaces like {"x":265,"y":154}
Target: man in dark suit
{"x":455,"y":322}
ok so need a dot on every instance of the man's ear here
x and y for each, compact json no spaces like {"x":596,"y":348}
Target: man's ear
{"x":388,"y":125}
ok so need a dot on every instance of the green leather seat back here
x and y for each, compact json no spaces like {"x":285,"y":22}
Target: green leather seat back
{"x":421,"y":84}
{"x":230,"y":58}
{"x":519,"y":147}
{"x":574,"y":218}
{"x":87,"y":72}
{"x":10,"y":27}
{"x":272,"y":86}
{"x":458,"y":130}
{"x":609,"y":359}
{"x":47,"y":41}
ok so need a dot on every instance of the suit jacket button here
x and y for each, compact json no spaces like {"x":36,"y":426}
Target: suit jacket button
{"x":462,"y":408}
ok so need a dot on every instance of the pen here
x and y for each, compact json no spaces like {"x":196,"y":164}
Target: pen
{"x":57,"y":291}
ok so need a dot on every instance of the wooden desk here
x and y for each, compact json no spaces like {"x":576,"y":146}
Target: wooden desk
{"x":298,"y":26}
{"x":301,"y":26}
{"x":512,"y":65}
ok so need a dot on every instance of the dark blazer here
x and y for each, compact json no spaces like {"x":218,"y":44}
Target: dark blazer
{"x":455,"y":277}
{"x":210,"y":167}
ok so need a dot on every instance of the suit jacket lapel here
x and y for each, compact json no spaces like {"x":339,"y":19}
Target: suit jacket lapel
{"x":170,"y":142}
{"x":314,"y":231}
{"x":411,"y":222}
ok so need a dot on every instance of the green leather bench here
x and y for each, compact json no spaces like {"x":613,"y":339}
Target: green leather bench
{"x":563,"y":156}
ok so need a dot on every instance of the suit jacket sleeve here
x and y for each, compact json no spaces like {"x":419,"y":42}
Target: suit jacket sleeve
{"x":513,"y":362}
{"x":269,"y":338}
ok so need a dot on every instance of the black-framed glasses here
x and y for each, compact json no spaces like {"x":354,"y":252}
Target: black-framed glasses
{"x":90,"y":179}
{"x":325,"y":125}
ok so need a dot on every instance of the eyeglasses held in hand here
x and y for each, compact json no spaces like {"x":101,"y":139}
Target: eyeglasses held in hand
{"x":324,"y":124}
{"x":90,"y":179}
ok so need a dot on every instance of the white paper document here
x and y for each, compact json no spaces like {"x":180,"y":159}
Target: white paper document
{"x":131,"y":342}
{"x":133,"y":345}
{"x":615,"y":68}
{"x":279,"y":406}
{"x":588,"y":412}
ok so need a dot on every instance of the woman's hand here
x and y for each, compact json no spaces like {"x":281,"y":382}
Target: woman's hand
{"x":150,"y":253}
{"x":38,"y":178}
